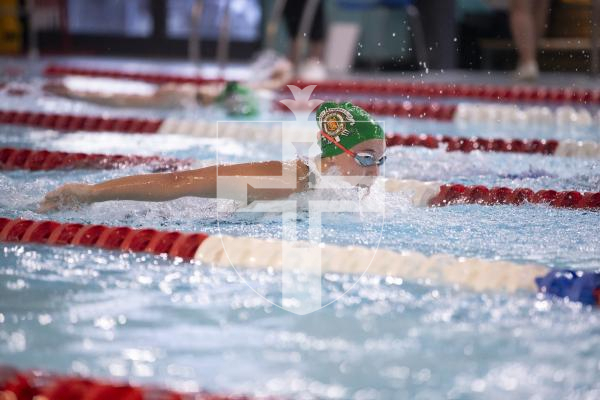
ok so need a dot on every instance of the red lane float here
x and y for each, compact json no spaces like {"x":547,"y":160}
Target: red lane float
{"x":43,"y":160}
{"x":36,"y":384}
{"x":453,"y":143}
{"x":175,"y":244}
{"x":57,"y":70}
{"x":461,"y":194}
{"x":405,"y":109}
{"x":513,"y":93}
{"x":70,"y":122}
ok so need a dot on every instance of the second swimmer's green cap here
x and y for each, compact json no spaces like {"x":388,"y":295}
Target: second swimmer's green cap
{"x":239,"y":100}
{"x":346,"y":123}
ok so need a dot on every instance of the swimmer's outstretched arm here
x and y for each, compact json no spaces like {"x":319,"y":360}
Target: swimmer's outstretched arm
{"x":109,"y":99}
{"x":169,"y":186}
{"x":168,"y":95}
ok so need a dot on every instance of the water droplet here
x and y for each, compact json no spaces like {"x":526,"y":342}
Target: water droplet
{"x":44,"y":319}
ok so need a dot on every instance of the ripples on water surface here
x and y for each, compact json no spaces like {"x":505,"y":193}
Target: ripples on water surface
{"x":191,"y":326}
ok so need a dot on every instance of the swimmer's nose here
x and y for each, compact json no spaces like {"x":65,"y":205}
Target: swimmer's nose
{"x":372,"y":170}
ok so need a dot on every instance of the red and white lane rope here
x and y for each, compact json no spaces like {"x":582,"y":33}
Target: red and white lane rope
{"x":44,"y":160}
{"x":405,"y":109}
{"x":41,"y":385}
{"x":482,"y":113}
{"x":423,"y":193}
{"x":225,"y":251}
{"x":436,"y":194}
{"x":463,"y":113}
{"x":71,"y":122}
{"x":564,"y":148}
{"x":270,"y":131}
{"x":514,"y":93}
{"x":468,"y":113}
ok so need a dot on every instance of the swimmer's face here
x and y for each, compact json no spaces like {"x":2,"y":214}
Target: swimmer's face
{"x":347,"y":165}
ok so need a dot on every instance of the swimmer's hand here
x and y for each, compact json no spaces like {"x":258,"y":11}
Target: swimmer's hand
{"x":67,"y":196}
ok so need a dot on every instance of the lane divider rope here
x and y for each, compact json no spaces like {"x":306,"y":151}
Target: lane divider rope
{"x":39,"y":384}
{"x":220,"y":251}
{"x":512,"y":93}
{"x":44,"y":160}
{"x":563,"y":148}
{"x":477,"y":113}
{"x":466,"y":113}
{"x":71,"y":122}
{"x":405,"y":109}
{"x":467,"y":145}
{"x":423,"y":193}
{"x":436,"y":194}
{"x":269,"y":131}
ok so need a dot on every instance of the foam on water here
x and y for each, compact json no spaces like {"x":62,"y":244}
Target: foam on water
{"x":189,"y":326}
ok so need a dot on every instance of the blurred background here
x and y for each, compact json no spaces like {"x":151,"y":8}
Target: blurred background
{"x":367,"y":35}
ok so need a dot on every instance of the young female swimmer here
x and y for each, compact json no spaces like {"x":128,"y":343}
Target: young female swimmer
{"x":352,"y":144}
{"x":172,"y":95}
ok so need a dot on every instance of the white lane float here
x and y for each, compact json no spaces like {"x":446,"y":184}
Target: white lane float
{"x":529,"y":116}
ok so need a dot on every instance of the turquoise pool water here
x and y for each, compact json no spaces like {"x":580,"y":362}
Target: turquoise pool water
{"x":189,"y":326}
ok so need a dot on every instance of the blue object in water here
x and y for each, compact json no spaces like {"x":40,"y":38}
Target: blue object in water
{"x":578,"y":286}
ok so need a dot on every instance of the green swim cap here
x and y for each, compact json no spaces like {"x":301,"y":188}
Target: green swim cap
{"x":239,"y":100}
{"x":346,"y":123}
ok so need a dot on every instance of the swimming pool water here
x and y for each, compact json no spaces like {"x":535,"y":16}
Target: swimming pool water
{"x":190,"y":326}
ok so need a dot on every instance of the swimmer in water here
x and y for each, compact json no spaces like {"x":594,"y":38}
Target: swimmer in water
{"x":352,"y":145}
{"x":173,"y":95}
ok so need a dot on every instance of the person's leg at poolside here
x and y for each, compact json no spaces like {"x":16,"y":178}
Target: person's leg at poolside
{"x":528,"y":24}
{"x":542,"y":11}
{"x":293,"y":14}
{"x":523,"y":31}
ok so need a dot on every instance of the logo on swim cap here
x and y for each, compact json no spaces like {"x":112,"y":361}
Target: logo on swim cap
{"x":333,"y":121}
